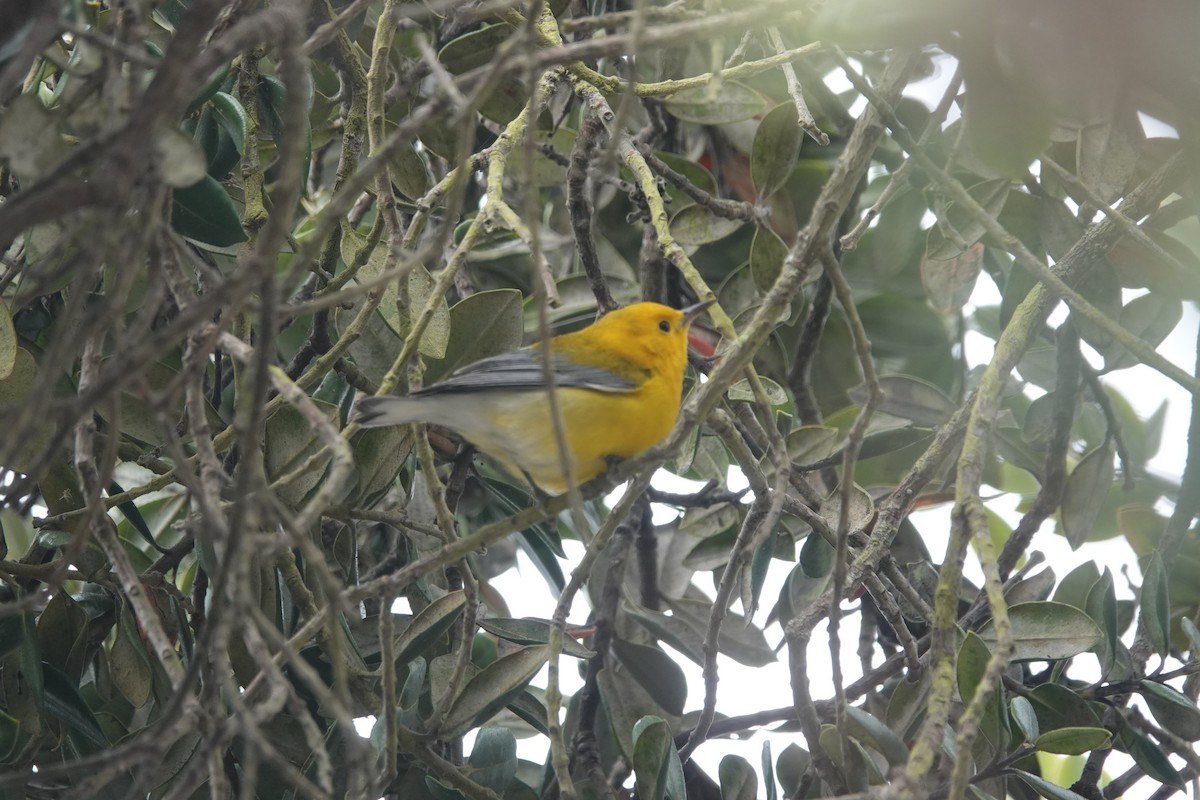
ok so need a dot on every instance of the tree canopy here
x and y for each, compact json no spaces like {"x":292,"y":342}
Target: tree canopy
{"x":221,"y":222}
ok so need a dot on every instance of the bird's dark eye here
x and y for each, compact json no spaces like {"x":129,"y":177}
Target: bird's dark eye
{"x":664,"y":326}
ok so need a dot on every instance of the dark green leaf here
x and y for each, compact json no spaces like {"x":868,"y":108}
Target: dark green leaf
{"x":428,"y":626}
{"x":63,"y":701}
{"x":738,"y":781}
{"x":793,"y":762}
{"x":656,"y":766}
{"x":204,"y":212}
{"x":776,"y":145}
{"x":973,"y":656}
{"x":1085,"y":492}
{"x":1149,"y":757}
{"x":1150,"y":317}
{"x":1045,"y":788}
{"x":493,"y":762}
{"x":1174,"y":711}
{"x":1155,"y":605}
{"x":768,"y":769}
{"x":474,"y":49}
{"x":531,"y":631}
{"x":1101,"y":606}
{"x":656,"y":671}
{"x":872,"y":732}
{"x":767,"y":252}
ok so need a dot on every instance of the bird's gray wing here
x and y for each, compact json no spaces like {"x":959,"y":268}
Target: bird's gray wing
{"x":522,"y":370}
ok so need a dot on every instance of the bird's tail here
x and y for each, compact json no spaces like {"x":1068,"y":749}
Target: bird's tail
{"x":376,"y":412}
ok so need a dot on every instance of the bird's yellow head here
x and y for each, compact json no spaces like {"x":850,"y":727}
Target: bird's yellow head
{"x":646,"y":336}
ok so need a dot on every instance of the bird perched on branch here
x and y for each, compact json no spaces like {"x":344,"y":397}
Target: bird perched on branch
{"x":617,"y":383}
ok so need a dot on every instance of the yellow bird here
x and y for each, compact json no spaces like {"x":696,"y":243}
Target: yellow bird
{"x":618,"y":385}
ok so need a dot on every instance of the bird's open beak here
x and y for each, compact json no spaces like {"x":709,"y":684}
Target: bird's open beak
{"x":691,"y":312}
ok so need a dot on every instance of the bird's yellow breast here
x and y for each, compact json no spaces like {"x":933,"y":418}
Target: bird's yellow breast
{"x":598,"y":425}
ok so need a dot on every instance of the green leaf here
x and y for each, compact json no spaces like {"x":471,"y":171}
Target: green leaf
{"x":1101,"y":606}
{"x":10,"y":737}
{"x":1045,"y":788}
{"x":1025,"y":717}
{"x":531,"y":631}
{"x":1149,"y":757}
{"x":427,"y":626}
{"x":290,"y":443}
{"x":958,"y":228}
{"x":949,"y":282}
{"x":973,"y":656}
{"x":1006,"y":126}
{"x":1059,"y":707}
{"x":379,"y":455}
{"x":493,"y":688}
{"x":739,"y":639}
{"x":870,"y":731}
{"x":881,"y":443}
{"x":1085,"y":492}
{"x":1047,"y":631}
{"x":776,"y":146}
{"x":657,"y":673}
{"x":205,"y":212}
{"x":674,"y":631}
{"x":792,"y":764}
{"x":696,"y":225}
{"x":16,"y":537}
{"x":738,"y":781}
{"x":657,"y":770}
{"x":730,"y":102}
{"x":910,"y":398}
{"x":129,"y":662}
{"x":809,"y":444}
{"x":742,"y":391}
{"x":862,"y":509}
{"x":474,"y":49}
{"x":767,"y":253}
{"x":768,"y":770}
{"x":12,"y":633}
{"x":532,"y":710}
{"x":1174,"y":710}
{"x":1151,"y":318}
{"x":902,"y":327}
{"x":493,"y":761}
{"x":64,"y":702}
{"x":272,"y":100}
{"x":1073,"y":741}
{"x":232,"y":118}
{"x":8,"y":343}
{"x":1155,"y":605}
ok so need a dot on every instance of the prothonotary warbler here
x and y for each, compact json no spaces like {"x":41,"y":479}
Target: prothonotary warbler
{"x":617,"y":382}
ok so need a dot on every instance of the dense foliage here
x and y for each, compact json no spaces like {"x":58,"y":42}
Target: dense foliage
{"x":222,"y":221}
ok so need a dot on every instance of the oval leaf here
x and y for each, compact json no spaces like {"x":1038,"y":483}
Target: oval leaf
{"x":1046,"y":631}
{"x":1073,"y":741}
{"x":1085,"y":492}
{"x":493,"y":688}
{"x":730,"y":102}
{"x":776,"y":146}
